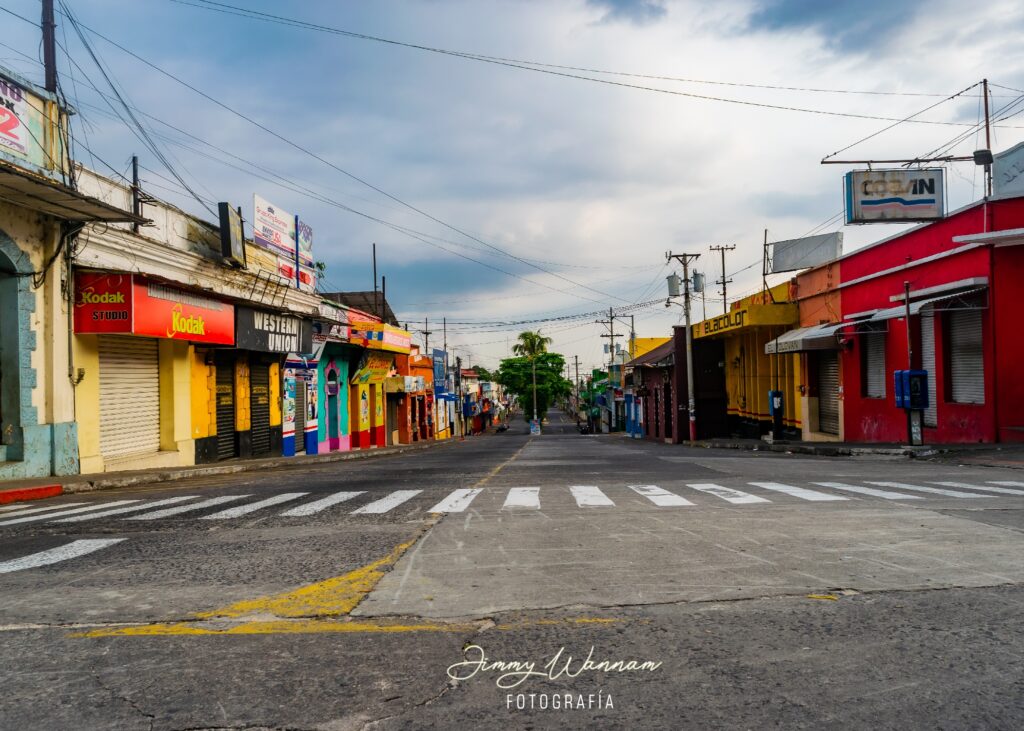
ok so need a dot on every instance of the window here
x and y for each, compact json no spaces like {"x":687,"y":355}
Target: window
{"x":872,"y":365}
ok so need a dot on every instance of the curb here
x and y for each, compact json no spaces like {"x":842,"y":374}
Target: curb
{"x":30,"y":493}
{"x":112,"y":480}
{"x":827,"y":451}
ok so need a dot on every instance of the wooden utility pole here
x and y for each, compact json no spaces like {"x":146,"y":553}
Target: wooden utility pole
{"x":49,"y":26}
{"x":426,"y":335}
{"x":685,"y":260}
{"x":724,"y":281}
{"x":376,"y":302}
{"x":577,"y":358}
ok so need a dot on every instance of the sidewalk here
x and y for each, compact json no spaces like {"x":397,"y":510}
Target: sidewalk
{"x":983,"y":455}
{"x":40,"y":487}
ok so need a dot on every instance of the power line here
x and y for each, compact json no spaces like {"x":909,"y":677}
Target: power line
{"x":339,"y":169}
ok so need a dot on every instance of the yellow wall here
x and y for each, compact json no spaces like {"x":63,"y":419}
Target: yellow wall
{"x":243,"y":407}
{"x":378,"y":408}
{"x":646,"y":345}
{"x":750,"y":374}
{"x":362,"y":396}
{"x":87,"y":403}
{"x":204,"y":396}
{"x":275,"y":394}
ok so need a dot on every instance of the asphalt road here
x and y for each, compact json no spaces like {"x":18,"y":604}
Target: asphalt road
{"x":709,"y":589}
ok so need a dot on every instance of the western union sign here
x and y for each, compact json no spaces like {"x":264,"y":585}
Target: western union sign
{"x":751,"y":316}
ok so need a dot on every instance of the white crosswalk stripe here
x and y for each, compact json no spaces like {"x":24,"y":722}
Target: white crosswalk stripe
{"x":56,"y":555}
{"x":387,"y":503}
{"x":169,"y":512}
{"x":522,"y":497}
{"x":921,"y":488}
{"x":317,"y":505}
{"x":62,"y":513}
{"x":1008,"y":483}
{"x":22,"y":511}
{"x":727,"y":493}
{"x":590,"y":496}
{"x":800,"y":492}
{"x":240,"y":510}
{"x":458,"y":501}
{"x":885,"y":494}
{"x":659,"y":496}
{"x":987,"y":488}
{"x":129,"y":509}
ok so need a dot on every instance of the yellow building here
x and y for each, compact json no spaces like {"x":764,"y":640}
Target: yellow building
{"x":749,"y":373}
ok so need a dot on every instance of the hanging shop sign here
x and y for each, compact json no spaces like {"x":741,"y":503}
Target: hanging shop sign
{"x":374,"y":368}
{"x":895,"y":196}
{"x":751,"y":316}
{"x":273,"y":228}
{"x":379,"y":336}
{"x":271,"y":332}
{"x":131,"y":305}
{"x":232,"y":241}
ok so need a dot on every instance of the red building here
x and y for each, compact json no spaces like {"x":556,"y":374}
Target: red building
{"x":964,"y":275}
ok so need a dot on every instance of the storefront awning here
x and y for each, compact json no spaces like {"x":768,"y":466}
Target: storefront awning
{"x":817,"y":337}
{"x":39,"y":193}
{"x":957,"y":301}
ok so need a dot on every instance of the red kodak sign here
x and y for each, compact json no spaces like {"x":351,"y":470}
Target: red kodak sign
{"x":126,"y":303}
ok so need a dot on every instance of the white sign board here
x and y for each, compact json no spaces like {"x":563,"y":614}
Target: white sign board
{"x":1008,"y":172}
{"x":274,"y":229}
{"x":895,"y":196}
{"x":809,"y":251}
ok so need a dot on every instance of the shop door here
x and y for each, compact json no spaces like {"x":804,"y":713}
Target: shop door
{"x":259,"y":389}
{"x":667,"y":406}
{"x":392,"y":422}
{"x":129,"y":396}
{"x":828,"y":392}
{"x":928,"y":363}
{"x":333,"y":392}
{"x":300,"y":414}
{"x":226,"y":442}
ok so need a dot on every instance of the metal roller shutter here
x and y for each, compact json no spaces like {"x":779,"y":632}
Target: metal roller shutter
{"x":874,"y":365}
{"x":225,"y":409}
{"x":129,"y":396}
{"x":828,"y":393}
{"x":966,"y":360}
{"x":931,"y":414}
{"x":259,"y":384}
{"x":300,"y":414}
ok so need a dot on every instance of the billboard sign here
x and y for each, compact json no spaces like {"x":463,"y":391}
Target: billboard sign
{"x":270,"y":332}
{"x":274,"y":229}
{"x":809,"y":251}
{"x":305,"y":238}
{"x":439,"y":358}
{"x":22,"y":132}
{"x":895,"y":196}
{"x":1008,"y":172}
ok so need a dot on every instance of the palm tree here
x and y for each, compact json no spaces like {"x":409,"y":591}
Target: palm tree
{"x":531,"y":345}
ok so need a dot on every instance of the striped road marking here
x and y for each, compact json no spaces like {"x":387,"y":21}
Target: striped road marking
{"x":919,"y":488}
{"x":388,"y":502}
{"x":20,"y":510}
{"x":522,"y":497}
{"x":590,"y":496}
{"x":168,"y":512}
{"x":458,"y":501}
{"x":969,"y":486}
{"x":62,"y":513}
{"x":660,"y":497}
{"x":317,"y":505}
{"x":1008,"y":483}
{"x":799,"y":492}
{"x":240,"y":510}
{"x":129,"y":509}
{"x":868,"y":491}
{"x":56,"y":555}
{"x":726,"y":493}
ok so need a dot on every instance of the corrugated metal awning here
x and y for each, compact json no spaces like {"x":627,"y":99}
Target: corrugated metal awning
{"x":916,"y":307}
{"x":816,"y":337}
{"x":39,"y":193}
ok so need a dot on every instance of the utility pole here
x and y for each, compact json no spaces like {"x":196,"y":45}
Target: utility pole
{"x":610,"y":322}
{"x":685,"y":260}
{"x":136,"y":193}
{"x":426,"y":335}
{"x":376,"y":302}
{"x":723,"y":281}
{"x":49,"y":26}
{"x":988,"y":139}
{"x":577,"y":390}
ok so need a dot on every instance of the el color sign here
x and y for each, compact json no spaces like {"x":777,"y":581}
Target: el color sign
{"x":123,"y":303}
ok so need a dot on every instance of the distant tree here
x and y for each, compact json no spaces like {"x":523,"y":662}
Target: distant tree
{"x":485,"y":375}
{"x":516,"y":375}
{"x":531,"y":344}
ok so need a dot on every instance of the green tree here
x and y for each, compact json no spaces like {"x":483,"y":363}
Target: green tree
{"x":516,"y":375}
{"x":531,"y":344}
{"x":485,"y":375}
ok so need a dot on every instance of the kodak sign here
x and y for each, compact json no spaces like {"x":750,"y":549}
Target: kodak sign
{"x":132,"y":305}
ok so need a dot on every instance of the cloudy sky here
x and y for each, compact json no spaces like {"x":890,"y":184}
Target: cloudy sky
{"x":511,"y":194}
